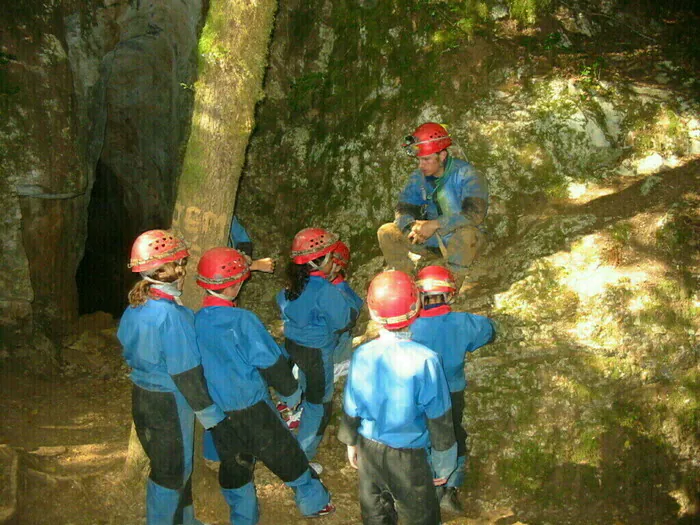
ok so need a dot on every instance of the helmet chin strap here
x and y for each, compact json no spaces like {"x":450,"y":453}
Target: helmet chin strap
{"x":168,"y":288}
{"x":323,"y":263}
{"x":221,"y":296}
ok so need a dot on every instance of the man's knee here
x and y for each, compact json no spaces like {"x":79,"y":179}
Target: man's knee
{"x":388,"y":232}
{"x":465,"y":245}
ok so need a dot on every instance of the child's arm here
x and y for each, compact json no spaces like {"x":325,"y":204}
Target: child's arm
{"x":184,"y":365}
{"x":434,"y":397}
{"x":263,"y":353}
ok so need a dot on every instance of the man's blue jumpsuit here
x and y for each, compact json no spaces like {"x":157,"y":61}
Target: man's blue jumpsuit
{"x":343,"y":351}
{"x":239,"y":239}
{"x":240,"y":360}
{"x":451,"y":335}
{"x":458,"y":200}
{"x":397,"y":406}
{"x":312,"y":324}
{"x":169,"y":390}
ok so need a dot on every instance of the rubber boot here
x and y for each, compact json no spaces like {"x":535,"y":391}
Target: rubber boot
{"x":450,"y":502}
{"x":395,"y":248}
{"x":243,"y":503}
{"x":310,"y":495}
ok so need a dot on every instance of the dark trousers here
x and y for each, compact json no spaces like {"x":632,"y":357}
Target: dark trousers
{"x":457,"y":399}
{"x":396,"y":485}
{"x":256,"y":432}
{"x":164,"y":426}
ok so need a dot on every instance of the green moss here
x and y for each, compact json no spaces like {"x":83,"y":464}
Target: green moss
{"x":528,"y":468}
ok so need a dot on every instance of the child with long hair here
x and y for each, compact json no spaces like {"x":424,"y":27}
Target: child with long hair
{"x":169,"y":388}
{"x":314,"y":313}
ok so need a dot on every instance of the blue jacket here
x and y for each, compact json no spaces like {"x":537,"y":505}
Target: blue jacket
{"x":394,"y":384}
{"x":447,"y":199}
{"x":451,"y":335}
{"x":237,"y":234}
{"x":396,"y":389}
{"x":235,"y":347}
{"x":161,"y":348}
{"x":317,"y":316}
{"x":354,"y":300}
{"x":159,"y":342}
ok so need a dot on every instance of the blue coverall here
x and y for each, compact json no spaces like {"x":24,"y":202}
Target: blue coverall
{"x":312,"y":323}
{"x":451,"y":335}
{"x":397,"y":405}
{"x":343,"y":351}
{"x":239,"y":239}
{"x":240,"y":359}
{"x":169,"y":390}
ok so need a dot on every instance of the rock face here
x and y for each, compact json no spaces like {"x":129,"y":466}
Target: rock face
{"x":587,"y":402}
{"x":95,"y":94}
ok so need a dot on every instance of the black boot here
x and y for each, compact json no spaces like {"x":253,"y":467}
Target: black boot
{"x":450,"y":502}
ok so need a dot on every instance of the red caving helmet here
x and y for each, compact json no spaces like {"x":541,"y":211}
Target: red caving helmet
{"x":393,"y":299}
{"x":154,"y":248}
{"x":433,"y":280}
{"x":312,"y":243}
{"x":220,"y":268}
{"x":427,"y":139}
{"x":341,"y":254}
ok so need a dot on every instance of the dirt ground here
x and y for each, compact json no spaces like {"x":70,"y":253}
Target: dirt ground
{"x":72,"y":432}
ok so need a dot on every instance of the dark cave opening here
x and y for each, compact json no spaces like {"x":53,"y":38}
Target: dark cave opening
{"x":103,"y":279}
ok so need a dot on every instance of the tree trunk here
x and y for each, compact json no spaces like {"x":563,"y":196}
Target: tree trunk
{"x":233,"y":55}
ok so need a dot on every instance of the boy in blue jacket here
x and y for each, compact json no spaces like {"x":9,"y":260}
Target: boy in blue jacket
{"x":396,"y":406}
{"x":240,"y":360}
{"x":451,"y":335}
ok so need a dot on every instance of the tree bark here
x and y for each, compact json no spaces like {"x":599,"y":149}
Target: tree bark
{"x":233,"y":55}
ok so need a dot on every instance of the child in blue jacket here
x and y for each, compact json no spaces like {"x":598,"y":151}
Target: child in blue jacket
{"x":396,"y":405}
{"x":315,"y":313}
{"x":240,"y":360}
{"x":341,"y":261}
{"x":169,"y":388}
{"x":451,"y":335}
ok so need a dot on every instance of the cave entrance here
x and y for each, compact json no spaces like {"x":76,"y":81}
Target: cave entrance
{"x":103,"y":280}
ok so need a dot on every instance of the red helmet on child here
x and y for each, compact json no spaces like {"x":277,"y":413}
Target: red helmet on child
{"x":154,"y":248}
{"x":393,"y":299}
{"x":220,"y":268}
{"x":427,"y":139}
{"x":434,"y":280}
{"x":341,"y":254}
{"x":312,"y":243}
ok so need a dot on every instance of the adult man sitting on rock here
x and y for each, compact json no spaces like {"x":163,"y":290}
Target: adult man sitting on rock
{"x":440,"y":211}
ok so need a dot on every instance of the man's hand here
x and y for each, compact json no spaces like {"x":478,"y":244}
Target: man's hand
{"x":421,"y":231}
{"x":439,"y":482}
{"x":266,"y":265}
{"x":352,"y":456}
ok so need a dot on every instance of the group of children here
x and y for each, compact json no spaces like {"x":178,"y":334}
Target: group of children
{"x":403,"y":399}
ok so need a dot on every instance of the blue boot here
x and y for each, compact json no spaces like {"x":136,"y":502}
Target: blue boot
{"x":243,"y":503}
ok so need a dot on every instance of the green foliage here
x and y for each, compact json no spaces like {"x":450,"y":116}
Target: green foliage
{"x":526,"y":11}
